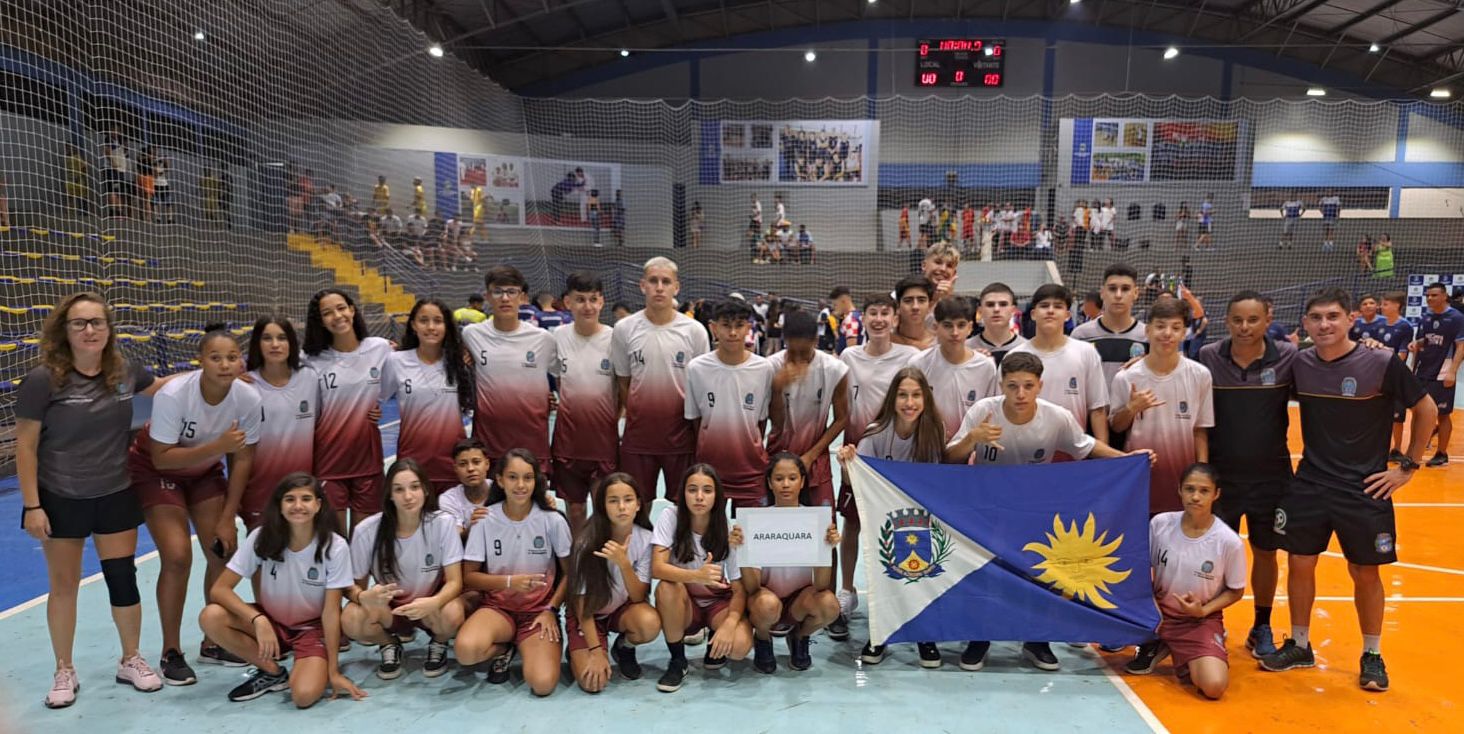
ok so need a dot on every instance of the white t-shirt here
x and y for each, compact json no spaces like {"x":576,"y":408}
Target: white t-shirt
{"x":655,"y":359}
{"x":1168,"y":429}
{"x":181,"y":417}
{"x":957,"y":387}
{"x":419,"y":558}
{"x":665,"y":537}
{"x":286,"y":430}
{"x":513,"y":370}
{"x":455,"y":503}
{"x":1051,"y":430}
{"x":887,"y":445}
{"x":1106,"y":215}
{"x":586,"y":425}
{"x":1042,"y":240}
{"x":639,"y":551}
{"x":1205,"y":566}
{"x":732,"y":402}
{"x":869,"y":380}
{"x":1072,"y":377}
{"x":528,"y":546}
{"x":292,"y":591}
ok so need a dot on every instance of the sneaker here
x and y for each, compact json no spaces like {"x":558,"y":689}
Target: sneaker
{"x":217,"y":655}
{"x":1291,"y":655}
{"x":1260,"y":642}
{"x":345,"y":646}
{"x":64,"y":687}
{"x":929,"y":655}
{"x":1395,"y":456}
{"x":711,"y":663}
{"x":1040,"y":655}
{"x":436,"y":659}
{"x":624,"y":654}
{"x":1439,"y":459}
{"x":1080,"y":645}
{"x":391,"y":661}
{"x":763,"y":658}
{"x":839,"y":629}
{"x":799,"y":657}
{"x":259,"y":684}
{"x":670,"y":681}
{"x":498,"y":668}
{"x":696,"y":639}
{"x":848,"y":602}
{"x":872,"y":654}
{"x":1150,"y":653}
{"x":1112,"y":648}
{"x":974,"y":656}
{"x":175,"y":669}
{"x":1374,"y":676}
{"x":135,"y":672}
{"x":781,"y":629}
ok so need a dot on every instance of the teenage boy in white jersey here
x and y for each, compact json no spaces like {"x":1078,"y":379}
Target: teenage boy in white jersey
{"x":915,"y":296}
{"x":1118,"y":336}
{"x":727,"y":393}
{"x":958,"y":375}
{"x":586,"y":427}
{"x":1073,"y":368}
{"x":512,"y":360}
{"x":872,"y":365}
{"x":1017,"y":427}
{"x":468,"y":501}
{"x":1163,"y":401}
{"x":807,"y":383}
{"x":650,"y":350}
{"x":996,"y":305}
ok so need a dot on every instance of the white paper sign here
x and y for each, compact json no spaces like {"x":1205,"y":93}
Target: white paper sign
{"x":784,"y":536}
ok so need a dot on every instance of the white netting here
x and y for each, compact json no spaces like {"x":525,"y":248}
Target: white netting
{"x":280,"y":95}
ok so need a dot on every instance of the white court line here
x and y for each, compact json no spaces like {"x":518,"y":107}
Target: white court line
{"x":1414,"y":566}
{"x":1140,"y":708}
{"x":18,"y":608}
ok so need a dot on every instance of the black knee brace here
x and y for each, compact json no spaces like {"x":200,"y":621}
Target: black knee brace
{"x":121,"y":577}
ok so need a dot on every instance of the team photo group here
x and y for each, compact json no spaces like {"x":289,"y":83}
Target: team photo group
{"x":462,"y":541}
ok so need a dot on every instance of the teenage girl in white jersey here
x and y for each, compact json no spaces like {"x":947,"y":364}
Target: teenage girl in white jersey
{"x":290,"y":402}
{"x":433,"y":387}
{"x":609,"y":586}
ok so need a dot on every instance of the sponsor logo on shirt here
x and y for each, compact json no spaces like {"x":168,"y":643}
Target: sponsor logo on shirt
{"x":1268,"y":376}
{"x":1349,"y":387}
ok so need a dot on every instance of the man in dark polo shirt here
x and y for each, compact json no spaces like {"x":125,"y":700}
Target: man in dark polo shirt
{"x":1251,"y":377}
{"x":1343,"y":484}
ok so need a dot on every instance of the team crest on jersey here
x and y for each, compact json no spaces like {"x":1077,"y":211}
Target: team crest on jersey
{"x":304,"y":406}
{"x":313,"y":574}
{"x":1349,"y":387}
{"x":529,"y":358}
{"x":971,"y":396}
{"x":1207,"y":566}
{"x":538,"y":542}
{"x":1268,"y":376}
{"x":375,"y":373}
{"x":680,"y":358}
{"x":1183,"y":407}
{"x":1383,"y":543}
{"x":1039,"y":453}
{"x":1072,"y":383}
{"x":429,"y":559}
{"x":747,"y":402}
{"x":604,"y":365}
{"x":1136,"y":350}
{"x":1387,"y":336}
{"x":912,"y":545}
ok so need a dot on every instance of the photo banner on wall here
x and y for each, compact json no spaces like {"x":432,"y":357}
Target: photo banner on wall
{"x":788,"y":152}
{"x":514,"y":191}
{"x":1125,"y":151}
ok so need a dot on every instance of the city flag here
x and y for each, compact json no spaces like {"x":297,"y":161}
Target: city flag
{"x":1048,"y":552}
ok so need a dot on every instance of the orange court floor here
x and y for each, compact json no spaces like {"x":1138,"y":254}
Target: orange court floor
{"x":1423,"y":637}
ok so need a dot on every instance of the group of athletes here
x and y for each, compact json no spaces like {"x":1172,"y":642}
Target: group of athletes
{"x":461,"y":538}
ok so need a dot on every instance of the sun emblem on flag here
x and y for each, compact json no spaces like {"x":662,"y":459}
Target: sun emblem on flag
{"x":1076,"y":564}
{"x":912,"y":545}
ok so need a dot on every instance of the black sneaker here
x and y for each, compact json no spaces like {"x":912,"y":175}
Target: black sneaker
{"x":1150,"y":653}
{"x":799,"y":657}
{"x":763,"y":658}
{"x":259,"y":684}
{"x":436,"y":659}
{"x":217,"y":655}
{"x":973,"y":658}
{"x":1040,"y":655}
{"x":391,"y":661}
{"x":1439,"y":459}
{"x":1374,"y":676}
{"x":872,"y":654}
{"x":624,"y":654}
{"x":174,"y":669}
{"x":1291,"y":655}
{"x":670,"y":681}
{"x":711,"y":663}
{"x":839,"y":629}
{"x":1395,"y":456}
{"x":498,"y":669}
{"x":929,"y":655}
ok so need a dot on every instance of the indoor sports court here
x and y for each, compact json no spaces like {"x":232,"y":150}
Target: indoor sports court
{"x":201,"y":165}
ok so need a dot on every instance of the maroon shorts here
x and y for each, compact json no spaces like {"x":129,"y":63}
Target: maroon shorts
{"x":523,"y":622}
{"x":306,"y":640}
{"x":575,"y":636}
{"x":155,"y":489}
{"x":821,"y":493}
{"x":401,"y":626}
{"x":847,"y":507}
{"x":1188,"y":638}
{"x":573,"y":478}
{"x":702,"y":616}
{"x":361,"y":495}
{"x":787,"y":616}
{"x":645,"y":468}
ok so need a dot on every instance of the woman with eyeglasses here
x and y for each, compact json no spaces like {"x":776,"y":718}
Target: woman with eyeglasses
{"x":73,"y":414}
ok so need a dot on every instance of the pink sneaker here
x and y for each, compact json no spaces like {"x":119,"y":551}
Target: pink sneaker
{"x":64,"y":687}
{"x":135,"y":672}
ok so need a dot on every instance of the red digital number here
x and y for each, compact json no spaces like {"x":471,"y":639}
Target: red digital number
{"x":977,"y":46}
{"x":996,"y":50}
{"x":924,"y":49}
{"x":960,"y":76}
{"x":927,"y":79}
{"x":991,"y":80}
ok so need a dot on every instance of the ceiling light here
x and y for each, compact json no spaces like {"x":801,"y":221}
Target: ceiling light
{"x":435,"y":51}
{"x":624,"y":52}
{"x":809,"y":56}
{"x":198,"y":36}
{"x":1439,"y":93}
{"x":1170,"y":52}
{"x":1316,"y":92}
{"x":1374,"y":48}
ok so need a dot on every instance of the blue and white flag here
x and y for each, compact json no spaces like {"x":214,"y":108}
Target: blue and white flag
{"x":1028,"y":553}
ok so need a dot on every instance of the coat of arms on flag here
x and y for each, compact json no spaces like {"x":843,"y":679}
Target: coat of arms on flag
{"x":912,"y":545}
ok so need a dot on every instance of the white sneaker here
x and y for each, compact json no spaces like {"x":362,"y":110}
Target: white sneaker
{"x":696,"y":639}
{"x":135,"y":672}
{"x":64,"y":687}
{"x":848,"y":602}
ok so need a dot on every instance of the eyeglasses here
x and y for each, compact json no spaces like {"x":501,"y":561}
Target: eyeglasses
{"x":79,"y":325}
{"x":506,"y":292}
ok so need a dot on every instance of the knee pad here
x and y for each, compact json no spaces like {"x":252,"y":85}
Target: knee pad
{"x":121,"y":577}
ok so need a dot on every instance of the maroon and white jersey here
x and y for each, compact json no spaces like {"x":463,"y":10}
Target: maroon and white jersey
{"x":347,"y":442}
{"x":419,"y":558}
{"x":586,"y":425}
{"x":732,"y":402}
{"x":638,"y":548}
{"x":655,"y":359}
{"x":286,"y":430}
{"x":957,"y":387}
{"x":1168,"y":429}
{"x":806,"y":404}
{"x":181,"y":417}
{"x":432,"y":420}
{"x":665,"y":537}
{"x":869,"y":380}
{"x":292,"y":590}
{"x":455,"y":502}
{"x":1205,"y":566}
{"x":1072,"y":376}
{"x":1051,"y":431}
{"x":513,"y":370}
{"x":529,"y":546}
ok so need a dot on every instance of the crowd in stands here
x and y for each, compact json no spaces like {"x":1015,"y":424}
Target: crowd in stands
{"x":432,"y":242}
{"x":1005,"y":231}
{"x":773,"y":243}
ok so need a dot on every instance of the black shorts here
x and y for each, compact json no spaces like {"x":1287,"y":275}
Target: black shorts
{"x":73,"y":518}
{"x":1310,"y":513}
{"x":1443,"y":396}
{"x":1256,"y":501}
